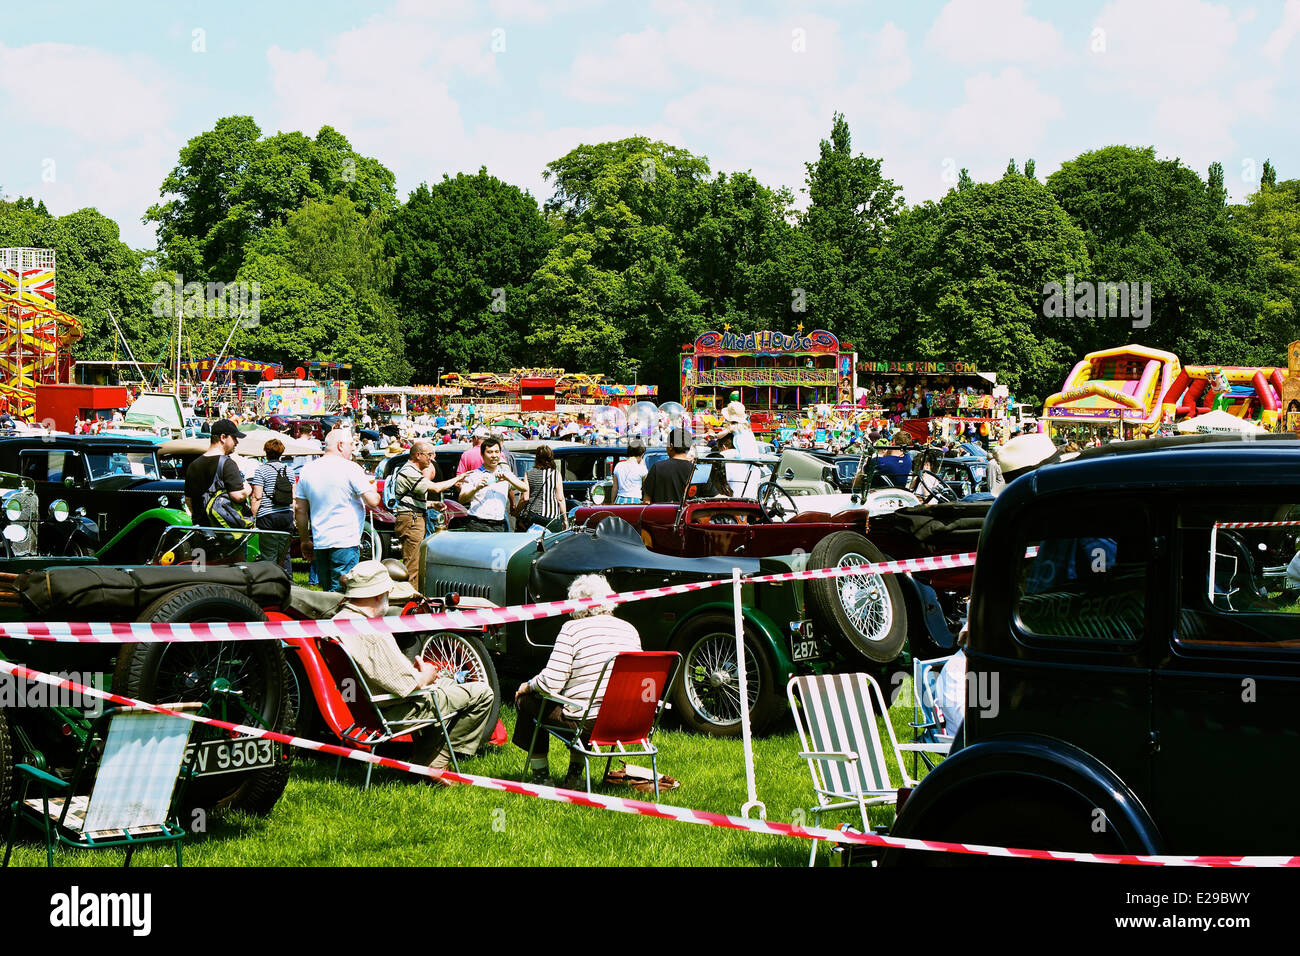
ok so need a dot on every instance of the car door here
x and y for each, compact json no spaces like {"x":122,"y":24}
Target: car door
{"x":1227,"y":684}
{"x":1080,"y":597}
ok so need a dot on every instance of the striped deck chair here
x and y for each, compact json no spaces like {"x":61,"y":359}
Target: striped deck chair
{"x":835,"y":715}
{"x":136,"y":788}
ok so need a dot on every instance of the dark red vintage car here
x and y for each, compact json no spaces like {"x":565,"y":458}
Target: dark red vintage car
{"x":925,"y":610}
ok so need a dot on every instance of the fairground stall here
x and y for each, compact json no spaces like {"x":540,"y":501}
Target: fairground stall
{"x":769,"y":372}
{"x":534,"y":392}
{"x":950,"y":400}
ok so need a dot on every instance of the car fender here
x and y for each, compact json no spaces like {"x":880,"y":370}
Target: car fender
{"x":995,"y":765}
{"x":924,"y":613}
{"x":777,"y":642}
{"x":167,"y":516}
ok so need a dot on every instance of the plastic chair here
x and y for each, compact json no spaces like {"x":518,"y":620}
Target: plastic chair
{"x":627,"y":709}
{"x":835,"y":715}
{"x":134,"y":794}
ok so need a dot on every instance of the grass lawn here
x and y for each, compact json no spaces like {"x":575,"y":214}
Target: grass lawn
{"x":401,"y":822}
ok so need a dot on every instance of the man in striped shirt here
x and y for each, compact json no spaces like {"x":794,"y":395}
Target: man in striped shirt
{"x":584,"y":645}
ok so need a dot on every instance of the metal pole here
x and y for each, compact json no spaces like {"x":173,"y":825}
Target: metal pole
{"x":1214,"y":548}
{"x":745,"y":731}
{"x":130,"y":354}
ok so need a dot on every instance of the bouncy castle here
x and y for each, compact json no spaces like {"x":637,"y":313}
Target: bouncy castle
{"x":1251,"y":394}
{"x":1115,"y":387}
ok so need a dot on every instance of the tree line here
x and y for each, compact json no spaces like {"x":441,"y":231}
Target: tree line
{"x":641,"y":246}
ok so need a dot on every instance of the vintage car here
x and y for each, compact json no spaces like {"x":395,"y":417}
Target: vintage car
{"x":245,"y":682}
{"x":115,"y":482}
{"x":1125,"y":650}
{"x":790,"y":627}
{"x":925,"y":609}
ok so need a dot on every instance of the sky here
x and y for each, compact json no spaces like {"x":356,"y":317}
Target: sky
{"x":99,"y":98}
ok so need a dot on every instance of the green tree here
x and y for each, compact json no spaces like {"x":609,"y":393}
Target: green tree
{"x":978,"y":262}
{"x":95,"y":272}
{"x":615,"y":286}
{"x":1154,"y":220}
{"x":463,"y":249}
{"x":1272,"y":217}
{"x":322,"y":281}
{"x":231,"y":184}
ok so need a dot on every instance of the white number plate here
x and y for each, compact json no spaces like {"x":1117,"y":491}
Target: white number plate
{"x":233,"y":756}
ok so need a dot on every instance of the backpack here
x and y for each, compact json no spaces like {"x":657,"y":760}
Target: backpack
{"x":282,"y":492}
{"x":218,"y":506}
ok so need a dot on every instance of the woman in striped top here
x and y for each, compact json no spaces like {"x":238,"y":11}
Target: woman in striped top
{"x":585,"y":644}
{"x":545,"y":501}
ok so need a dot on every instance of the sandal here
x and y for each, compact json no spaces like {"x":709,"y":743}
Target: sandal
{"x":648,"y":786}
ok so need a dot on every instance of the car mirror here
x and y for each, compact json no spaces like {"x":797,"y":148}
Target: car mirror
{"x":788,"y":474}
{"x":69,"y":482}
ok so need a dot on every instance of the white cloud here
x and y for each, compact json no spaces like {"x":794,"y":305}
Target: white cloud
{"x":797,"y":53}
{"x":82,"y":89}
{"x":1280,"y":39}
{"x":1008,"y":110}
{"x":1163,"y":47}
{"x":984,"y":31}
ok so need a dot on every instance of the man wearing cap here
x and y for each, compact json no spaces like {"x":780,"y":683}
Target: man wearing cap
{"x":202,"y":472}
{"x":366,"y":590}
{"x":472,"y":457}
{"x":666,"y":481}
{"x":329,"y":507}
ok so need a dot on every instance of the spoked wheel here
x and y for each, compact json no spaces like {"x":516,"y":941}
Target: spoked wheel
{"x":706,"y":692}
{"x":859,"y":613}
{"x":453,"y":651}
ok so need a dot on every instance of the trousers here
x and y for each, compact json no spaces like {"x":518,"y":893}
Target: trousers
{"x":409,"y":530}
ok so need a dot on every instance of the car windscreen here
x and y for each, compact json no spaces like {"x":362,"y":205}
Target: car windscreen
{"x":106,"y":464}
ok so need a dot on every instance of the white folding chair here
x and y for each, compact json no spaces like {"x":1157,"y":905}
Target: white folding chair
{"x":930,"y":733}
{"x":835,"y":715}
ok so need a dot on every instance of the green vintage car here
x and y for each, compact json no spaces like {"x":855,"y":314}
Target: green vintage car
{"x":781,"y":637}
{"x":245,"y":682}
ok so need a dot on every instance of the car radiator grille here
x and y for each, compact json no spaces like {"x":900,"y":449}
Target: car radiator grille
{"x":442,"y":586}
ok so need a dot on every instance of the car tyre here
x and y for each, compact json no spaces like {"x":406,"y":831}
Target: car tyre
{"x":174,"y":672}
{"x":862,"y":615}
{"x":705,"y":692}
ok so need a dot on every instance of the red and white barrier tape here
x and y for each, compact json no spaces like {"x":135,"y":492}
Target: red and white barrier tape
{"x":99,"y":632}
{"x":1255,"y":524}
{"x":656,"y":810}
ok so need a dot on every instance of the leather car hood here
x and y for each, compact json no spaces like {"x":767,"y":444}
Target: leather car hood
{"x":614,"y":548}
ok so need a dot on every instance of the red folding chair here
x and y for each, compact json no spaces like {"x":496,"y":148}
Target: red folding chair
{"x":627,"y":710}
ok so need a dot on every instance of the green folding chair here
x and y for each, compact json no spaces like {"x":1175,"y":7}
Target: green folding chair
{"x":835,"y":715}
{"x":135,"y":790}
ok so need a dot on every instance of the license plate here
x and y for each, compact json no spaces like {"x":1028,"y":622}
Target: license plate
{"x":803,"y":645}
{"x":232,"y":756}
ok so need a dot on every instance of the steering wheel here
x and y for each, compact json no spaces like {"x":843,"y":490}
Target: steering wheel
{"x":769,"y":499}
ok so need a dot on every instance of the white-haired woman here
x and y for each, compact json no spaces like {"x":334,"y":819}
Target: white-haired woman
{"x":585,"y":643}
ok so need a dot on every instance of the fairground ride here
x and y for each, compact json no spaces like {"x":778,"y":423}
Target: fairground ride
{"x":36,"y":339}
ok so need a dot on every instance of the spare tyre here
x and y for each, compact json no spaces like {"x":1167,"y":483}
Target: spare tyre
{"x":243,"y":682}
{"x":861,"y":614}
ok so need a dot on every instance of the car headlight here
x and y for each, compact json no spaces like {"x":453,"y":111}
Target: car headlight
{"x":13,"y":506}
{"x":59,"y":510}
{"x":164,"y":501}
{"x":598,"y":495}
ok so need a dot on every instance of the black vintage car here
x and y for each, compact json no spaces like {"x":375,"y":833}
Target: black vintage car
{"x":1128,"y":651}
{"x":114,"y":481}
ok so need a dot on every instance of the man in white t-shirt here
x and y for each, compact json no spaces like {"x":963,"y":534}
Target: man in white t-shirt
{"x":329,"y":508}
{"x":486,"y":490}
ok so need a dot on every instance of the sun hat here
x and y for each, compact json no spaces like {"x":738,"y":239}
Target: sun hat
{"x":734,"y":413}
{"x":1024,"y":452}
{"x":368,"y":579}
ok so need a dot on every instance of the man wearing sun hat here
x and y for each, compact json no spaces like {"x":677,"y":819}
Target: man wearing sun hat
{"x":367,"y":589}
